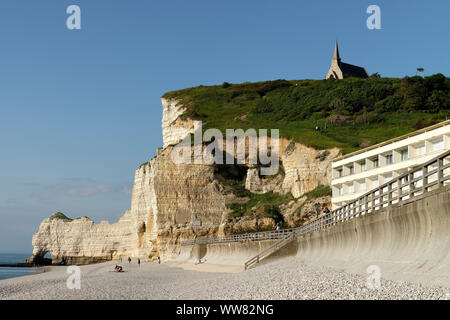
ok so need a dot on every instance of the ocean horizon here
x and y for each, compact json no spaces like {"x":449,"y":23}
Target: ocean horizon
{"x":13,"y":272}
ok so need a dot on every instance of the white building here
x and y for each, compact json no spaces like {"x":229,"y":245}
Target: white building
{"x":359,"y":172}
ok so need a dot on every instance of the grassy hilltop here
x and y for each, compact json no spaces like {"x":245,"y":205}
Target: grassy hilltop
{"x":351,"y":113}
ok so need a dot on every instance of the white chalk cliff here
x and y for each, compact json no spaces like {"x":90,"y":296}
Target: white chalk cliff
{"x":173,"y":202}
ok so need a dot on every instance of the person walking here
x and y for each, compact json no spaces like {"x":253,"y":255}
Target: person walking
{"x":139,"y":262}
{"x":129,"y":260}
{"x":159,"y":260}
{"x":317,"y":207}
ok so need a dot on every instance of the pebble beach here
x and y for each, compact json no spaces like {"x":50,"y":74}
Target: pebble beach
{"x":282,"y":279}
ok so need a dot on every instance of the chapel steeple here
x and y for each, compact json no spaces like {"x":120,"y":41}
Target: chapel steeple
{"x":336,"y":53}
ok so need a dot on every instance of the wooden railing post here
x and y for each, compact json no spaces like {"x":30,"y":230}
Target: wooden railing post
{"x":389,"y":194}
{"x":373,"y":201}
{"x":411,"y":185}
{"x":440,"y":171}
{"x":425,"y":179}
{"x":366,"y":205}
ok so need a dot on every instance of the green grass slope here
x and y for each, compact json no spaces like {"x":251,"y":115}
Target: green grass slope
{"x":351,"y":113}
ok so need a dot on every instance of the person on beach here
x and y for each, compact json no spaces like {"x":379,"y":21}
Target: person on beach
{"x":129,"y":260}
{"x":159,"y":260}
{"x":139,"y":262}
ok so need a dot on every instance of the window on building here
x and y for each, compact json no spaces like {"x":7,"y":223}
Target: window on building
{"x":363,"y":166}
{"x":375,"y":162}
{"x":388,"y":159}
{"x":404,"y":154}
{"x":351,"y":170}
{"x":341,"y":190}
{"x":339,"y":173}
{"x":375,"y":183}
{"x":420,"y":150}
{"x":351,"y":188}
{"x":362,"y":186}
{"x":438,"y":144}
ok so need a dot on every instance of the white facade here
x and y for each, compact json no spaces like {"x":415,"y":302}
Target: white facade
{"x":359,"y":172}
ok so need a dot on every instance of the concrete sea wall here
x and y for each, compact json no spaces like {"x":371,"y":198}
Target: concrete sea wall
{"x":409,"y":241}
{"x":236,"y":253}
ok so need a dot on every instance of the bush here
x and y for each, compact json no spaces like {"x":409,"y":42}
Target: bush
{"x":323,"y":155}
{"x":435,"y":82}
{"x":423,"y":123}
{"x":438,"y":100}
{"x":319,"y":191}
{"x":388,"y":104}
{"x":273,"y":211}
{"x":269,"y":202}
{"x":375,"y":75}
{"x":368,"y":117}
{"x":61,"y":216}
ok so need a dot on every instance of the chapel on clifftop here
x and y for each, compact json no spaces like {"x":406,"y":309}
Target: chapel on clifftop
{"x":341,"y":70}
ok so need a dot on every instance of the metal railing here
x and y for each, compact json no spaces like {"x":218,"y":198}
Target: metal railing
{"x":417,"y":181}
{"x":255,"y":236}
{"x":272,"y":249}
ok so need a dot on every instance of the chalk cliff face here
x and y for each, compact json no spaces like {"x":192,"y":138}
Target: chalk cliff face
{"x":174,"y":129}
{"x":171,"y":202}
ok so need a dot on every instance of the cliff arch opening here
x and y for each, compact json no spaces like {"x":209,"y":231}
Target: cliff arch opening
{"x":43,"y":259}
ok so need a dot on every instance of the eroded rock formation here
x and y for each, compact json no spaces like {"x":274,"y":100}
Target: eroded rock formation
{"x":171,"y":202}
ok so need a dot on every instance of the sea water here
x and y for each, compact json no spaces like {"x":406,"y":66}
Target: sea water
{"x":12,"y":272}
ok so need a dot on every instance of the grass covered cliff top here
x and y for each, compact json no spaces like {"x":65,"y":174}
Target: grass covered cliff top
{"x":351,"y":113}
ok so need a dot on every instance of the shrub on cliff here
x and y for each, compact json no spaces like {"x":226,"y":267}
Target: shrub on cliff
{"x":267,"y":203}
{"x":61,"y":216}
{"x":319,"y":191}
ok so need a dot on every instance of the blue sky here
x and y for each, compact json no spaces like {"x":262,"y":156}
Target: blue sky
{"x":80,"y":109}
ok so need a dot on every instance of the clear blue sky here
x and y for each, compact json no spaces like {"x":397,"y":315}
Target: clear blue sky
{"x":80,"y":110}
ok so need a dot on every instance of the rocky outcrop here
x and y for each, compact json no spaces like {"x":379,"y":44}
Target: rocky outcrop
{"x":306,"y":168}
{"x":81,"y":241}
{"x":303,"y":169}
{"x":171,"y":202}
{"x":174,"y":128}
